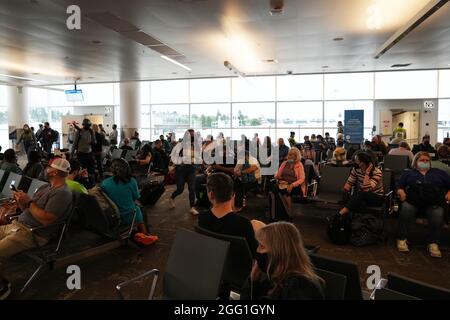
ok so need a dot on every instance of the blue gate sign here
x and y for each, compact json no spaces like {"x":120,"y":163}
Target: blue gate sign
{"x":354,"y":126}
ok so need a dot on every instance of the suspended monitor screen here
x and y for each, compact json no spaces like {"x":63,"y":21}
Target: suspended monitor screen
{"x":74,"y":95}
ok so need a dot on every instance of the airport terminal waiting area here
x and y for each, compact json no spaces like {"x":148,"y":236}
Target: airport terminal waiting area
{"x":92,"y":256}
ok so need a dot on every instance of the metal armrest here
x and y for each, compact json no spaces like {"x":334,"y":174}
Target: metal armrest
{"x":34,"y":229}
{"x":153,"y":272}
{"x":380,"y":285}
{"x":127,"y":234}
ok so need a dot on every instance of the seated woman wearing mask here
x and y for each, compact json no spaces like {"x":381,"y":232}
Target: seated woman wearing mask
{"x":283,"y":270}
{"x":291,"y":177}
{"x":423,"y":189}
{"x":369,"y":182}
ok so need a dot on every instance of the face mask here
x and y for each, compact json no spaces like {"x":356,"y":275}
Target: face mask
{"x":423,"y":165}
{"x":263,"y":260}
{"x":291,"y":160}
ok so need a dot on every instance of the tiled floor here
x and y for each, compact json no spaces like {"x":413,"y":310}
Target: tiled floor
{"x":100,"y":274}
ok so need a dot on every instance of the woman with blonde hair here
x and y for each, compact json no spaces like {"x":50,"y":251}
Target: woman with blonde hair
{"x":283,"y":270}
{"x":291,"y":177}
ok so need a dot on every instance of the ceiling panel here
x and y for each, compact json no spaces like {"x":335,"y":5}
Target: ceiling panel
{"x":34,"y":37}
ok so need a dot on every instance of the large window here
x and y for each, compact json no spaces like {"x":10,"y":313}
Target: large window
{"x":257,"y":115}
{"x":253,"y":89}
{"x":444,"y":84}
{"x":210,"y":90}
{"x":207,"y":116}
{"x":349,"y":86}
{"x":4,"y":142}
{"x":173,"y":91}
{"x":303,"y":87}
{"x":444,"y":119}
{"x":406,"y":85}
{"x":335,"y":111}
{"x":299,"y":115}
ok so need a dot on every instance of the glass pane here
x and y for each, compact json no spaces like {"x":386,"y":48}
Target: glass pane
{"x":335,"y":111}
{"x":444,"y":84}
{"x":170,"y":91}
{"x":210,"y":90}
{"x":349,"y":86}
{"x":145,"y":116}
{"x":406,"y":85}
{"x":4,"y":142}
{"x":3,"y":97}
{"x":56,"y":114}
{"x":3,"y":118}
{"x":37,"y":98}
{"x":250,"y":133}
{"x":145,"y":92}
{"x":38,"y":115}
{"x":117,"y":93}
{"x":144,"y":134}
{"x":302,"y":87}
{"x":299,"y":115}
{"x":253,"y":115}
{"x":168,"y":118}
{"x":96,"y":94}
{"x":156,"y":132}
{"x":443,"y":119}
{"x":210,"y":115}
{"x":253,"y":89}
{"x":56,"y":98}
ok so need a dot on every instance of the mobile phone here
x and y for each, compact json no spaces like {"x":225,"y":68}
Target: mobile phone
{"x":13,"y":188}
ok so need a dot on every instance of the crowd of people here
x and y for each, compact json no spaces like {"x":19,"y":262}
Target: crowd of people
{"x":235,"y":169}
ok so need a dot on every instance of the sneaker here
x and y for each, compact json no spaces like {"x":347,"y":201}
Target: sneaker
{"x":402,"y":246}
{"x":172,"y":203}
{"x":434,"y":251}
{"x":5,"y":289}
{"x":194,"y":211}
{"x":145,"y":239}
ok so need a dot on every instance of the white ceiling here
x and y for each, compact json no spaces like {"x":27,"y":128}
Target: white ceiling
{"x":35,"y":42}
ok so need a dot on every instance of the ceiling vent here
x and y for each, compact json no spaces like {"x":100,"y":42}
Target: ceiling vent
{"x":132,"y":32}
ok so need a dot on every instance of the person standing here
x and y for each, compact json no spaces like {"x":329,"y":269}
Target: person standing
{"x":399,"y":132}
{"x":28,"y":139}
{"x":82,"y":147}
{"x":114,"y":136}
{"x":48,"y":137}
{"x":291,"y":139}
{"x":185,"y":156}
{"x":97,"y":149}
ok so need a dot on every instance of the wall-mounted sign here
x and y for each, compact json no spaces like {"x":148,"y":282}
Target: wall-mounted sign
{"x":108,"y":110}
{"x":428,"y":105}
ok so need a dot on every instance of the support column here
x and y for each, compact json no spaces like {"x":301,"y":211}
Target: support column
{"x":130,"y":104}
{"x":17,"y":109}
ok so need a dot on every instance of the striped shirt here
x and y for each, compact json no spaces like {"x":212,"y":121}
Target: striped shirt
{"x":375,"y":184}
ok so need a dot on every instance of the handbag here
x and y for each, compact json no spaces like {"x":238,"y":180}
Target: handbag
{"x":8,"y":210}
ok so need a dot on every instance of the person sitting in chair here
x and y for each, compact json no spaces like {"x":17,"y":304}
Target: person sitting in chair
{"x":423,"y":189}
{"x":50,"y":204}
{"x":291,"y":178}
{"x":221,"y":218}
{"x":368,"y":180}
{"x":123,"y":190}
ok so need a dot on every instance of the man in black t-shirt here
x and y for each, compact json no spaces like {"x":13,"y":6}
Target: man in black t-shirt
{"x":221,"y":218}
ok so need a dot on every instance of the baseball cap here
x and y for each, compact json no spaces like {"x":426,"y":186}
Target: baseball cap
{"x":61,"y":165}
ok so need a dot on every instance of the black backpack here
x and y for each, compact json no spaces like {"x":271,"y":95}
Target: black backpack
{"x":339,"y":229}
{"x":366,"y":229}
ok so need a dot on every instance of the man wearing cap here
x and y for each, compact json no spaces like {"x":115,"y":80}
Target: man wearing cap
{"x":50,"y":204}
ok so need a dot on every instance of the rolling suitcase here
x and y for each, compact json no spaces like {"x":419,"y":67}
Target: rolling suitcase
{"x":151,"y":191}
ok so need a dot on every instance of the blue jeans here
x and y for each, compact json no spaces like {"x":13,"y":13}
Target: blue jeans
{"x":183,"y":174}
{"x":435,"y":216}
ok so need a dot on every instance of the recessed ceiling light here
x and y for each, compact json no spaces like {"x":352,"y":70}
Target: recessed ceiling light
{"x":270,"y":61}
{"x":90,"y":77}
{"x":338,"y":39}
{"x":35,"y":73}
{"x":174,"y":72}
{"x":96,"y":42}
{"x":324,"y":67}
